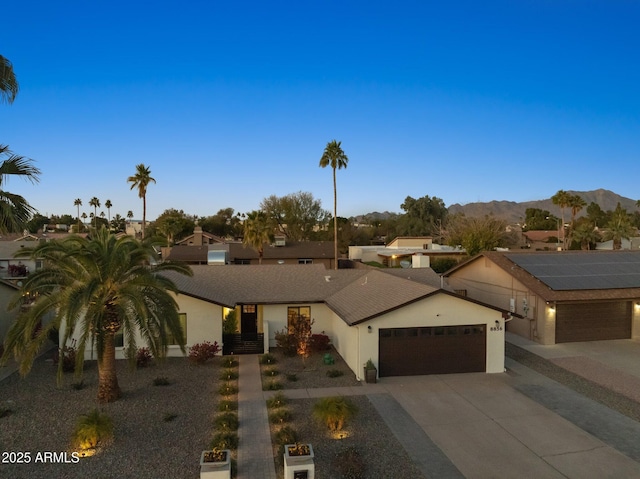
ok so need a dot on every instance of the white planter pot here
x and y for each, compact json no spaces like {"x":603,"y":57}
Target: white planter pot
{"x":296,"y":466}
{"x":215,"y":470}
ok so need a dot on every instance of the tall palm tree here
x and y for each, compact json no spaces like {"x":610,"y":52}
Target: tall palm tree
{"x":141,"y":180}
{"x":562,"y":199}
{"x":84,"y":216}
{"x":95,"y":288}
{"x":78,"y":202}
{"x":108,"y":205}
{"x":576,"y":203}
{"x":15,"y":212}
{"x":334,"y":156}
{"x":8,"y":82}
{"x":95,"y":202}
{"x":257,"y":232}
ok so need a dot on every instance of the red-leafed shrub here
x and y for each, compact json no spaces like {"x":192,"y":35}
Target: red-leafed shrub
{"x":319,"y":342}
{"x":200,"y":353}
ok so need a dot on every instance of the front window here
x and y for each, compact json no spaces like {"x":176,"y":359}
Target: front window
{"x":305,"y":261}
{"x":295,"y":312}
{"x":171,"y":340}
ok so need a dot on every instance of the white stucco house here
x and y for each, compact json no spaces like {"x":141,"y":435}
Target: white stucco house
{"x":400,"y":319}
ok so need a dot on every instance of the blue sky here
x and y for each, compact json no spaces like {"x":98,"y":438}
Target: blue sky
{"x":230,"y":102}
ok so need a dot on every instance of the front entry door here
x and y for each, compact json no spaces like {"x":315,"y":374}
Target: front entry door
{"x":249,"y":322}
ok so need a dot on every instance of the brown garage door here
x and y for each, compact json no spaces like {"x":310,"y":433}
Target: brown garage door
{"x":593,"y":321}
{"x":432,"y":350}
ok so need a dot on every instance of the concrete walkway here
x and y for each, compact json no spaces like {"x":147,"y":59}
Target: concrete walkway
{"x":516,"y":424}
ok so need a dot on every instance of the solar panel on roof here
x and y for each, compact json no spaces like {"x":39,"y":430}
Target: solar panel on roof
{"x":563,"y":272}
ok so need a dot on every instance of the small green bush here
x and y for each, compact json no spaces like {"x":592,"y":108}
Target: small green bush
{"x":277,"y":400}
{"x":268,"y":358}
{"x":286,"y":435}
{"x":272,"y":386}
{"x":271,"y":372}
{"x":227,"y":422}
{"x":334,"y":411}
{"x":229,"y":374}
{"x":287,"y":343}
{"x":229,"y":362}
{"x":224,"y":440}
{"x":334,"y":373}
{"x":161,"y":381}
{"x":92,"y":429}
{"x":280,"y":416}
{"x":226,"y":405}
{"x":168,"y":417}
{"x":228,"y":389}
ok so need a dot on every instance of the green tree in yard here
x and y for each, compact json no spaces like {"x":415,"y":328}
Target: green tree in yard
{"x":619,"y":227}
{"x":95,"y":288}
{"x":257,"y":232}
{"x":422,"y":216}
{"x":8,"y":82}
{"x":476,"y":234}
{"x":585,"y":234}
{"x":141,"y":180}
{"x":336,"y":158}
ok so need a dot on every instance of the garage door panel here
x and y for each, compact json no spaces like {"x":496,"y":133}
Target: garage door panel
{"x":593,"y":321}
{"x":432,"y":350}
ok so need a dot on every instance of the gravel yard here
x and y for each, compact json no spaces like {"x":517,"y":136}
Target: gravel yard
{"x":146,"y":444}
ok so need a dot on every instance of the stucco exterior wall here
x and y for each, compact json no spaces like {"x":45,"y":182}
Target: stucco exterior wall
{"x":276,"y":316}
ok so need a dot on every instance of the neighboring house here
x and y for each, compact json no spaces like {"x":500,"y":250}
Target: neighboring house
{"x":405,"y":251}
{"x":405,"y":327}
{"x":281,"y":252}
{"x":558,"y":297}
{"x":628,"y":244}
{"x":200,"y":238}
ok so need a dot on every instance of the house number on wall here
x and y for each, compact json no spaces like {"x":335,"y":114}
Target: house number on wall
{"x":496,"y":328}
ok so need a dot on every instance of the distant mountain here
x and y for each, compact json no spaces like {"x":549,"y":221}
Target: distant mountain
{"x":514,"y":212}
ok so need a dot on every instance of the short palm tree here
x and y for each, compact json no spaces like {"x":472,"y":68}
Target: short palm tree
{"x":334,"y":156}
{"x":15,"y":212}
{"x":95,"y":202}
{"x":334,"y":411}
{"x":78,"y":203}
{"x":257,"y":232}
{"x":94,"y":288}
{"x":619,"y":227}
{"x":141,"y":180}
{"x":8,"y":82}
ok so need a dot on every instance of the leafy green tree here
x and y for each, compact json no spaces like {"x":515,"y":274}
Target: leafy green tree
{"x":295,"y":215}
{"x":118,"y":224}
{"x":537,"y":219}
{"x":8,"y":82}
{"x":141,"y":180}
{"x":336,"y":158}
{"x":224,"y":223}
{"x":619,"y":227}
{"x":257,"y":232}
{"x":172,"y":224}
{"x":37,"y":222}
{"x":596,"y":216}
{"x":476,"y":234}
{"x":422,"y":216}
{"x":95,"y":288}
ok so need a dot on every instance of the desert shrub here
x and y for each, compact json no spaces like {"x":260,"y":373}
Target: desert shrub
{"x":272,"y":386}
{"x":334,"y":373}
{"x":228,"y":389}
{"x":68,"y":358}
{"x":161,"y":381}
{"x":334,"y":411}
{"x":319,"y":342}
{"x":92,"y":429}
{"x":349,"y":464}
{"x":271,"y":372}
{"x":229,"y":374}
{"x":287,"y":343}
{"x":292,"y":377}
{"x":280,"y":416}
{"x":227,"y":422}
{"x":168,"y":417}
{"x":225,"y":405}
{"x":224,"y":440}
{"x":229,"y":362}
{"x":286,"y":435}
{"x":277,"y":400}
{"x":200,"y":353}
{"x":143,"y":357}
{"x":267,"y":359}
